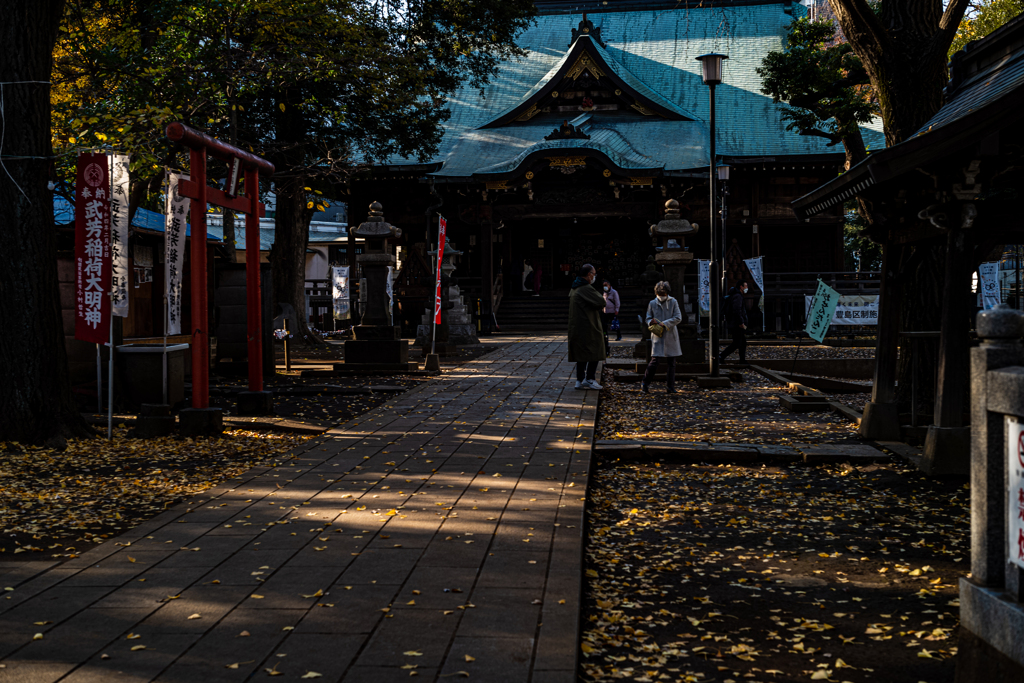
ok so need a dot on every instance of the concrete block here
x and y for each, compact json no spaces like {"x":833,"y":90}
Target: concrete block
{"x":152,"y":426}
{"x":433,"y":363}
{"x":997,"y":622}
{"x":377,"y":351}
{"x":720,"y":382}
{"x":804,"y":404}
{"x":255,"y":403}
{"x":201,"y":422}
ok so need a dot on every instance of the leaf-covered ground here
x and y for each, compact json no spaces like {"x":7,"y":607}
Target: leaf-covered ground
{"x":748,"y":412}
{"x":795,"y":573}
{"x":57,"y":504}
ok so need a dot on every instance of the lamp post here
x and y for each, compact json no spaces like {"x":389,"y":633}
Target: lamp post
{"x":711,"y":72}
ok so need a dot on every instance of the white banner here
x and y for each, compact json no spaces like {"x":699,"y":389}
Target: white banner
{"x":342,"y":305}
{"x":704,"y":288}
{"x":754,"y":265}
{"x":988,"y":283}
{"x":389,"y":287}
{"x":851,"y":310}
{"x":1015,"y":489}
{"x":119,"y":235}
{"x":176,"y":218}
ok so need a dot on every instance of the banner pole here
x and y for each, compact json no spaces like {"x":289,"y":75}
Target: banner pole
{"x":110,"y":383}
{"x":99,"y":380}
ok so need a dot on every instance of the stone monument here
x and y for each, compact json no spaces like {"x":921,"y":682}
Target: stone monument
{"x":378,"y":345}
{"x":673,"y":257}
{"x":456,"y":321}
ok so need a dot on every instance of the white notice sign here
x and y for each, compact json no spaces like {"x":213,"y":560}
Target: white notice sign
{"x":119,"y":234}
{"x":339,"y":280}
{"x":1015,"y":489}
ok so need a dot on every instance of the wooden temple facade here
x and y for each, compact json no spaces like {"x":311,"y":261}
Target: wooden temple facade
{"x":569,"y":154}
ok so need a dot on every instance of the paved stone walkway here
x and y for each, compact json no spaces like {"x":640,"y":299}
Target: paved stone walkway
{"x":440,"y":533}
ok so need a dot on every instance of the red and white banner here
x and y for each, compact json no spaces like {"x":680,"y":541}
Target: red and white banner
{"x":92,"y":249}
{"x":443,"y":225}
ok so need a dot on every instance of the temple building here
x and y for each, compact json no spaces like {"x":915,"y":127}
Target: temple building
{"x":569,"y":155}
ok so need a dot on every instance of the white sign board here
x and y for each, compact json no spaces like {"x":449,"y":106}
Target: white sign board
{"x":1015,"y":489}
{"x":339,"y":279}
{"x":756,"y":268}
{"x":851,"y":310}
{"x":988,"y":280}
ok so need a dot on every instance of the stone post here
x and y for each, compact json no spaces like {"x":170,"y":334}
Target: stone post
{"x":673,"y":258}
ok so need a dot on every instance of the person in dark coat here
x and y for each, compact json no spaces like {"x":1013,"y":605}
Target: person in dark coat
{"x":538,"y":270}
{"x":736,"y":321}
{"x":586,"y":334}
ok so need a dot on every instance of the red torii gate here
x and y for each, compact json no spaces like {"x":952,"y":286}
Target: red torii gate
{"x":201,"y":145}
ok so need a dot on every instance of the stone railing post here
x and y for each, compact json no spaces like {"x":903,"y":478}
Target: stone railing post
{"x":1000,"y":331}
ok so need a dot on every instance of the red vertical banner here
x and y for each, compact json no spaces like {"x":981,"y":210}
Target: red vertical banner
{"x":92,"y":249}
{"x":443,"y":225}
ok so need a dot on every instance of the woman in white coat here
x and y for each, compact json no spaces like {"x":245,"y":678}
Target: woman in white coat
{"x":663,"y":315}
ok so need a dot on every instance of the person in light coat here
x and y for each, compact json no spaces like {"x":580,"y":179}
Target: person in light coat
{"x":663,"y":310}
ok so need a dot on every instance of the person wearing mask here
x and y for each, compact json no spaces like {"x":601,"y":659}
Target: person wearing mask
{"x":663,"y":315}
{"x":611,"y":308}
{"x":736,"y":321}
{"x":586,"y":335}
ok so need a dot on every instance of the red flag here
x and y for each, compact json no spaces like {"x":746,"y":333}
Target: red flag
{"x":440,"y":253}
{"x":92,"y":249}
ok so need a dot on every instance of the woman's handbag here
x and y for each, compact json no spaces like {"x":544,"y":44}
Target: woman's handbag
{"x":657,"y":329}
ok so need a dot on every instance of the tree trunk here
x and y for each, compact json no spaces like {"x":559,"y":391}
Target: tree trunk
{"x":36,"y":404}
{"x":288,"y":258}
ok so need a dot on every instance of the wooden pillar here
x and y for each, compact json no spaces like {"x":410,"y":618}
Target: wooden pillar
{"x":486,"y":273}
{"x":881,"y":416}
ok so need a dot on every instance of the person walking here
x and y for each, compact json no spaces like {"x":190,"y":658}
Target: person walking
{"x":736,"y":321}
{"x":663,"y":315}
{"x":586,"y":335}
{"x":538,"y":271}
{"x":612,"y":303}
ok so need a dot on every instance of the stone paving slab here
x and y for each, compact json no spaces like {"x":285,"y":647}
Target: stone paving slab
{"x":689,"y":451}
{"x":440,"y":533}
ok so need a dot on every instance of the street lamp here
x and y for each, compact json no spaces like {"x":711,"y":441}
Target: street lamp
{"x":711,"y":72}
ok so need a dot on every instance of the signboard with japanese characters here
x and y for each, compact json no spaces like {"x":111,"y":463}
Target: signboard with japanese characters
{"x":988,"y":284}
{"x":819,"y":315}
{"x":390,"y":289}
{"x":851,"y":310}
{"x":92,"y":249}
{"x":119,"y":234}
{"x":704,"y":287}
{"x":1015,"y":492}
{"x":339,"y":281}
{"x":176,"y":219}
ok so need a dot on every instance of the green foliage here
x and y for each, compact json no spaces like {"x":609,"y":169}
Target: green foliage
{"x":860,"y":253}
{"x":317,"y":86}
{"x":823,"y":83}
{"x":988,"y":15}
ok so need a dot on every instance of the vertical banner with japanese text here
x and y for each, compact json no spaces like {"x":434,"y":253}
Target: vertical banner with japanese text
{"x":819,"y":317}
{"x":339,"y":291}
{"x":756,"y":268}
{"x":92,"y":249}
{"x":176,"y":219}
{"x":442,"y":229}
{"x":988,"y":283}
{"x":1015,"y":488}
{"x":704,"y":287}
{"x":390,"y":289}
{"x":119,"y":234}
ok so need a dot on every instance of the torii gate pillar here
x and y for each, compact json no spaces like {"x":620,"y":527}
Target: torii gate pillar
{"x":202,"y":419}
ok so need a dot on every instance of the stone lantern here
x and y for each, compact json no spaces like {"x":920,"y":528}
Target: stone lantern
{"x":378,"y":342}
{"x":673,"y":257}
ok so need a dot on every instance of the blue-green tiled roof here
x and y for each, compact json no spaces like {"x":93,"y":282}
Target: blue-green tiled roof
{"x":657,"y":50}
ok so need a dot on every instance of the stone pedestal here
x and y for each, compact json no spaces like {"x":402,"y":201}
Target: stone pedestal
{"x":881,"y":422}
{"x":947,"y":450}
{"x":456,"y":320}
{"x":154,"y":420}
{"x":201,"y":422}
{"x":255,"y":403}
